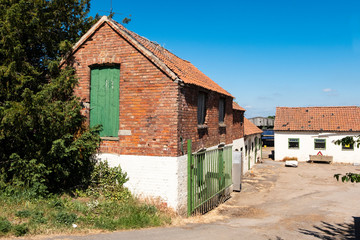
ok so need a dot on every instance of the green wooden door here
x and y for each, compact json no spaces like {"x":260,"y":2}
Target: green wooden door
{"x":104,"y":100}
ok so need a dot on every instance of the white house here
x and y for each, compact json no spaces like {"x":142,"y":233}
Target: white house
{"x":252,"y":141}
{"x":304,"y":131}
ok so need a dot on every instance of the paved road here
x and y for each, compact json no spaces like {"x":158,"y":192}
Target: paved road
{"x":276,"y":203}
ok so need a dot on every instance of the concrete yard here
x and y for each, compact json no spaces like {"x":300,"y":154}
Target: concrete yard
{"x":276,"y":202}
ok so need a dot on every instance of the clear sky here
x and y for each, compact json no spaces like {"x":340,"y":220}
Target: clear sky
{"x":266,"y":53}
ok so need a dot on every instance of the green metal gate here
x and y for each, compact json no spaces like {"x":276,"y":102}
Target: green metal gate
{"x":209,"y":174}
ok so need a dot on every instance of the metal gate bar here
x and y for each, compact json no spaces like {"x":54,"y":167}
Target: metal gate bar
{"x":209,"y":174}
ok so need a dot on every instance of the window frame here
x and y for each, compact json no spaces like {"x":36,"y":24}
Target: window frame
{"x":298,"y":141}
{"x":319,"y":139}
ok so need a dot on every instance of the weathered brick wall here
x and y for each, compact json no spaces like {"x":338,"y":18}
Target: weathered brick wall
{"x":148,"y":98}
{"x":238,"y":124}
{"x":188,"y":125}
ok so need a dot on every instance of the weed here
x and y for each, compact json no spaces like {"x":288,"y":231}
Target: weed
{"x":38,"y":217}
{"x":65,"y":218}
{"x":23,"y":214}
{"x":5,"y":226}
{"x":56,"y":203}
{"x":21,"y":229}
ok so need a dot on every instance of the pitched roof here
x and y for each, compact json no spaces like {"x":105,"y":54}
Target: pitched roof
{"x":176,"y":68}
{"x":333,"y":119}
{"x":250,"y":128}
{"x":236,"y":106}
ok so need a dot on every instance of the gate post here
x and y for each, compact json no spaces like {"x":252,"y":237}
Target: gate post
{"x":189,"y":163}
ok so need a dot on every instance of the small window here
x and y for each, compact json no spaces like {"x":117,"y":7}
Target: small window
{"x":201,"y":113}
{"x":320,"y":144}
{"x":221,"y":110}
{"x":294,"y":143}
{"x":348,"y":146}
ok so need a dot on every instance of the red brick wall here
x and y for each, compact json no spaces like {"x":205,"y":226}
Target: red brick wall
{"x":238,"y":124}
{"x":148,"y":98}
{"x":213,"y":134}
{"x":157,"y":111}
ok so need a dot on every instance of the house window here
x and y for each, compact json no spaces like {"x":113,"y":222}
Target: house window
{"x":320,"y":144}
{"x":104,"y":99}
{"x":221,"y":110}
{"x":294,"y":143}
{"x":201,"y":111}
{"x":348,"y":146}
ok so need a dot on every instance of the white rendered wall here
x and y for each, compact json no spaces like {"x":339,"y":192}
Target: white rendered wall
{"x":307,"y":146}
{"x":149,"y":176}
{"x":239,"y":145}
{"x":250,"y":154}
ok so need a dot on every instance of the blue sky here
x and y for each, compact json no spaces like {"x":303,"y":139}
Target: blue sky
{"x":266,"y":53}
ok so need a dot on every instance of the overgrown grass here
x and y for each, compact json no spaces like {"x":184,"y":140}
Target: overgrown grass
{"x":21,"y":215}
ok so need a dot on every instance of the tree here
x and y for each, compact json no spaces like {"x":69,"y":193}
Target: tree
{"x":44,"y":141}
{"x":349,"y":140}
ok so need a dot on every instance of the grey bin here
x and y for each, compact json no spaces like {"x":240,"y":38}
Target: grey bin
{"x":236,"y":171}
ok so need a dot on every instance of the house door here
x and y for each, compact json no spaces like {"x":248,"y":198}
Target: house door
{"x":104,"y":99}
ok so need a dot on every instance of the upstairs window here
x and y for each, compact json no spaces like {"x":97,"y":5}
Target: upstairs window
{"x":320,"y":144}
{"x":221,"y":110}
{"x":201,"y":111}
{"x":294,"y":143}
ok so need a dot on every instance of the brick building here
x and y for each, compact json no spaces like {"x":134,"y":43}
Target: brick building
{"x":150,"y":102}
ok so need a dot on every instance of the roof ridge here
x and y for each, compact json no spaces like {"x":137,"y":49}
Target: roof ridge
{"x":183,"y":69}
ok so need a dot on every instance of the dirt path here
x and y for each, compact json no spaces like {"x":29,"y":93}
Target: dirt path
{"x":304,"y":202}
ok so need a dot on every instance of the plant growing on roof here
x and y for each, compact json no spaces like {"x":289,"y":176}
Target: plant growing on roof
{"x":44,"y":143}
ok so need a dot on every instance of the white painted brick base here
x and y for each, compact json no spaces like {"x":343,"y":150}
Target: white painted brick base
{"x":149,"y":176}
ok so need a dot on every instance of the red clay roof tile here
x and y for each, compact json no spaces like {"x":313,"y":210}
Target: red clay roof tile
{"x":250,"y":128}
{"x":333,"y":119}
{"x":236,"y":106}
{"x":183,"y":69}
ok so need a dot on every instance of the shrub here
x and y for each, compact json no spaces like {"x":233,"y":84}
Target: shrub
{"x":108,"y":182}
{"x":38,"y":217}
{"x":23,"y":213}
{"x":5,"y":225}
{"x":65,"y":218}
{"x":56,"y":203}
{"x":21,"y":229}
{"x":45,"y":143}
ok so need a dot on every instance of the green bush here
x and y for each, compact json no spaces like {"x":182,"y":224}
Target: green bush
{"x":38,"y":217}
{"x":23,"y":214}
{"x":108,"y":182}
{"x":5,"y":225}
{"x":45,"y":143}
{"x":21,"y":229}
{"x":65,"y":218}
{"x":56,"y":203}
